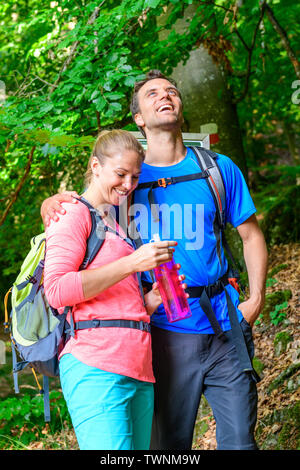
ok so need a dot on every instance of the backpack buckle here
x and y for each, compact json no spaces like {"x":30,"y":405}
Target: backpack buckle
{"x":164,"y":182}
{"x":31,"y":279}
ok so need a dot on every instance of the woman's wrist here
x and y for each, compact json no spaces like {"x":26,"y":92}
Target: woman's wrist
{"x":130,"y":262}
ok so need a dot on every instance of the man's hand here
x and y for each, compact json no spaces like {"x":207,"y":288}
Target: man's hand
{"x":153,"y":298}
{"x":251,"y":309}
{"x":52,"y":205}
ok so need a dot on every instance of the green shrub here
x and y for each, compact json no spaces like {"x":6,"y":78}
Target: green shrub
{"x":22,"y":419}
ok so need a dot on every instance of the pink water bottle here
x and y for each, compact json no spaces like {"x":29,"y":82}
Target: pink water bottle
{"x":171,"y":290}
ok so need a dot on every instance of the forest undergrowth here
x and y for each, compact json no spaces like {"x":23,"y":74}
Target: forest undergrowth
{"x":277,"y":360}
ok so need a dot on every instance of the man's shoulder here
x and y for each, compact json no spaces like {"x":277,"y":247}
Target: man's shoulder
{"x":228,"y":167}
{"x":223,"y":162}
{"x":232,"y":175}
{"x":219,"y":157}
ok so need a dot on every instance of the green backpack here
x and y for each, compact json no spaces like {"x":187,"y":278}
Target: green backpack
{"x":36,"y":329}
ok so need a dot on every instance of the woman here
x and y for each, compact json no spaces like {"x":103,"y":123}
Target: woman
{"x":106,"y":373}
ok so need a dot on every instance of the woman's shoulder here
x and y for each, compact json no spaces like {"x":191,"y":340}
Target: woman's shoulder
{"x":75,"y":207}
{"x":76,"y":216}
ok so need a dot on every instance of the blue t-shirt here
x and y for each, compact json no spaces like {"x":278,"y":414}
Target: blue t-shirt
{"x":187,"y":213}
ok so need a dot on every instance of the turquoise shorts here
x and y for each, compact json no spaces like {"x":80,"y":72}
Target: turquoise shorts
{"x":108,"y":411}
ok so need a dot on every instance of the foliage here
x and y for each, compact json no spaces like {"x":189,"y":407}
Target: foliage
{"x":279,"y":314}
{"x":276,"y":302}
{"x":22,"y":419}
{"x":259,"y":69}
{"x":68,"y":72}
{"x":276,"y":197}
{"x":281,"y":340}
{"x":69,"y":67}
{"x":282,"y":436}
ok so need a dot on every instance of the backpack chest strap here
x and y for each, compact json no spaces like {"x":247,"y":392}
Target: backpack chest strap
{"x":164,"y":182}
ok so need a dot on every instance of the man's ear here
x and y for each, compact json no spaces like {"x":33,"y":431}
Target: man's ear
{"x":139,"y":120}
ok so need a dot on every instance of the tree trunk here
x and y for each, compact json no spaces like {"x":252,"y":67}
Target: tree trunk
{"x":207,"y":99}
{"x":291,"y":140}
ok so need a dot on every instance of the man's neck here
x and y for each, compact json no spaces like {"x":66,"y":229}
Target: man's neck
{"x":164,"y":148}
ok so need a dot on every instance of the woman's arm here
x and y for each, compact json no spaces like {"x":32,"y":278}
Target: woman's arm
{"x":147,"y":257}
{"x":65,"y":249}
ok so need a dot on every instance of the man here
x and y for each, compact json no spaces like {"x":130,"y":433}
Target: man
{"x":189,"y":358}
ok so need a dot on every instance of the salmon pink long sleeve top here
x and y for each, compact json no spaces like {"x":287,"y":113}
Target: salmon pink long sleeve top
{"x":124,"y":351}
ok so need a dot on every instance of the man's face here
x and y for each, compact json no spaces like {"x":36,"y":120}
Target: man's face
{"x":160,"y":106}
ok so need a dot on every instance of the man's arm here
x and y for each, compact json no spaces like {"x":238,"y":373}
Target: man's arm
{"x":256,"y":259}
{"x":52,"y":206}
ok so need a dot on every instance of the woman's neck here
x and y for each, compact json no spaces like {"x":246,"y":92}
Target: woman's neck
{"x":92,"y":196}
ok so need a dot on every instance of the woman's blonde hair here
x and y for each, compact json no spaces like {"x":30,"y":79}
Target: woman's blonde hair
{"x":110,"y":141}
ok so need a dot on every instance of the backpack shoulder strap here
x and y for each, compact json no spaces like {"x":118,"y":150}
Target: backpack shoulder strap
{"x":95,"y":241}
{"x":96,"y":236}
{"x":207,"y":160}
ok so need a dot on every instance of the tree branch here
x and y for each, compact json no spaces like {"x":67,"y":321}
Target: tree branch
{"x":241,"y":38}
{"x":212,"y":3}
{"x":250,"y":51}
{"x":8,"y":144}
{"x":278,"y":28}
{"x":19,"y":187}
{"x":73,"y":52}
{"x":98,"y":121}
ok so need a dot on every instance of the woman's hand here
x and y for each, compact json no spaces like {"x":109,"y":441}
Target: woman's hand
{"x":52,"y":205}
{"x":150,"y":255}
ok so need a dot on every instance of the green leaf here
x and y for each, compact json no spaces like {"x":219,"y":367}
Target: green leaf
{"x":114,"y":96}
{"x":46,"y":108}
{"x":95,"y":94}
{"x":116,"y":106}
{"x":152,"y":3}
{"x":100,"y":103}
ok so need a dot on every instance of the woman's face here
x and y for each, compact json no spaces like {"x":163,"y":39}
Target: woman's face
{"x":117,"y":177}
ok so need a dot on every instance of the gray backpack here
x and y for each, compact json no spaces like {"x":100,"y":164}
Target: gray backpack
{"x":38,"y":332}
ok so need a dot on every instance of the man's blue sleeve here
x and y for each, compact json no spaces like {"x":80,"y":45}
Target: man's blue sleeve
{"x":239,"y":203}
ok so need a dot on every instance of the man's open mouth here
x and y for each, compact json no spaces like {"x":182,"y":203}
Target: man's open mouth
{"x":165,"y":107}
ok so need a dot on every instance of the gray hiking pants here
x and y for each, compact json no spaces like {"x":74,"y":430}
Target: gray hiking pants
{"x":187,"y":365}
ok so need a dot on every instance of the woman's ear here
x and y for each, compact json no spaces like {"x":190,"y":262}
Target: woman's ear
{"x":95,"y":166}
